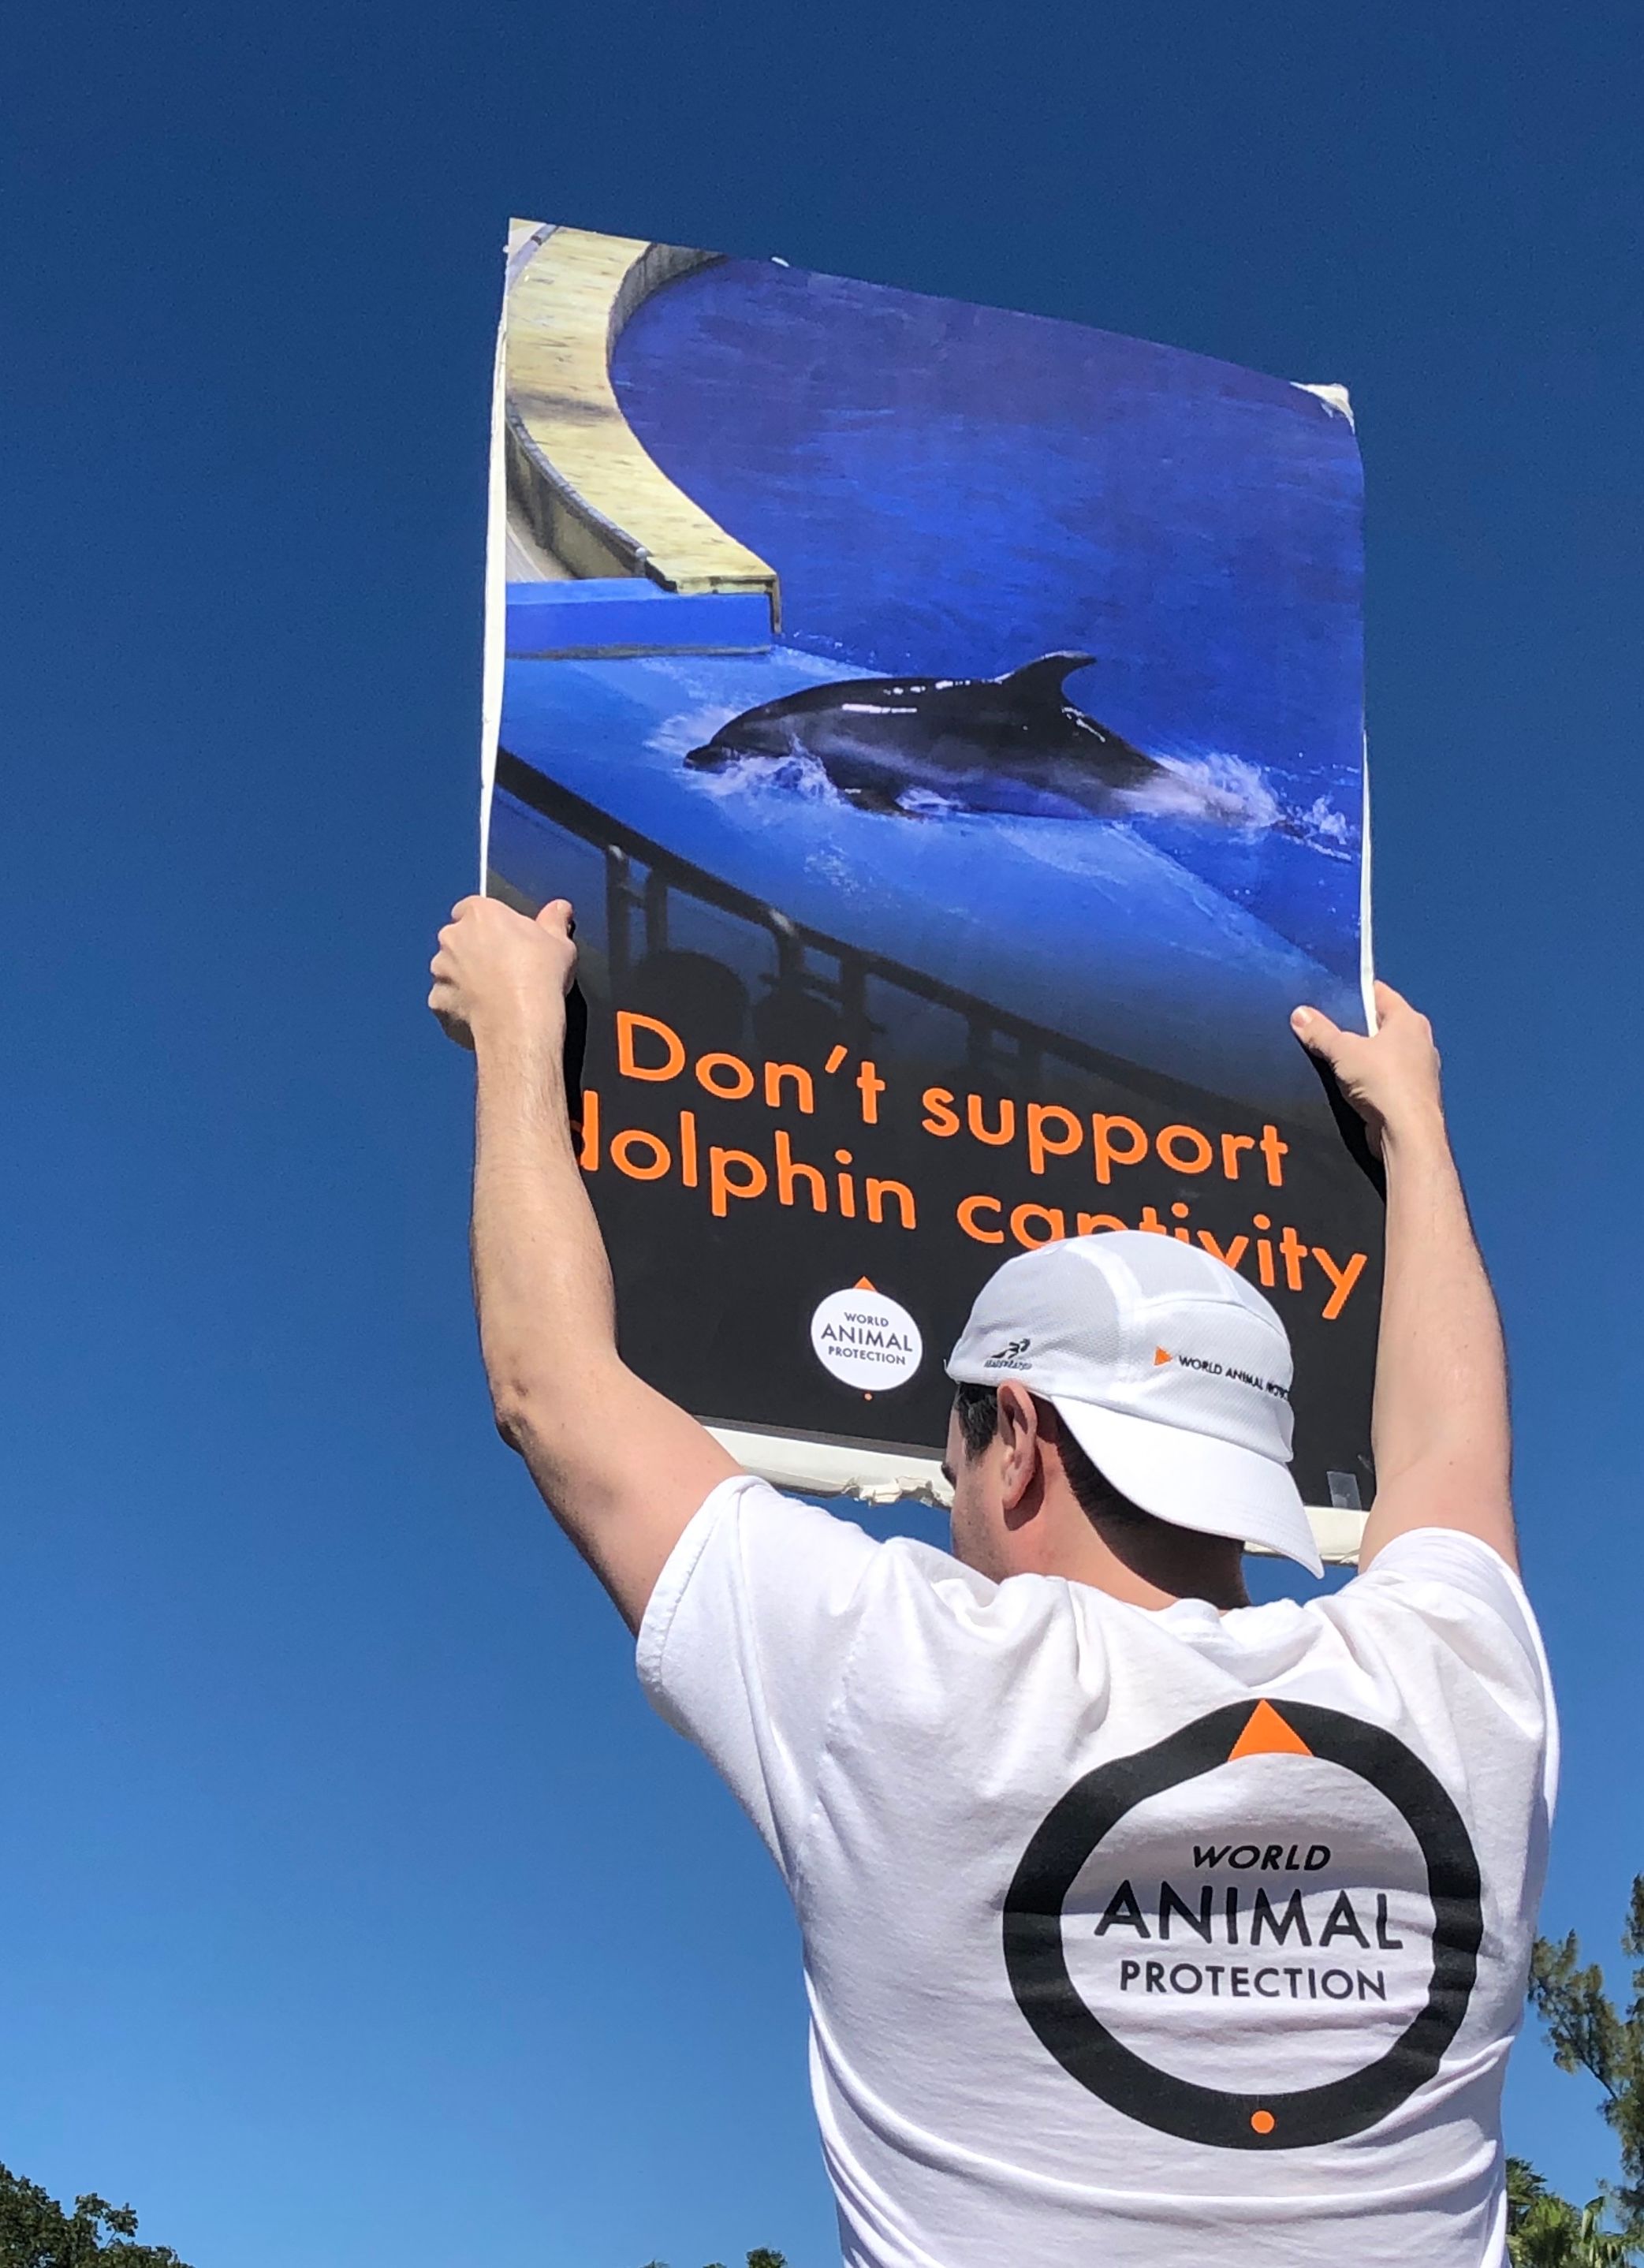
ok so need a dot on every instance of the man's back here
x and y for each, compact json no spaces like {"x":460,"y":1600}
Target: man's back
{"x":1132,"y":1935}
{"x":1135,"y":1932}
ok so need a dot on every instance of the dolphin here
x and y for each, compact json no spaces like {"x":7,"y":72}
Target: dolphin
{"x":1014,"y":743}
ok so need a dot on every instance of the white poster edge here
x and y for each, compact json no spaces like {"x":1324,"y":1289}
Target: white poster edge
{"x":495,"y":650}
{"x":884,"y":1477}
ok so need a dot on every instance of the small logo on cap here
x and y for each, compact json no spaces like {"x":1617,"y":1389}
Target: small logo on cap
{"x":1011,"y":1356}
{"x":1202,"y":1363}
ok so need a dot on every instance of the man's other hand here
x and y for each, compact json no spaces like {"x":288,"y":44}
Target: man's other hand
{"x":1439,"y":1429}
{"x":1392,"y":1078}
{"x":498,"y":971}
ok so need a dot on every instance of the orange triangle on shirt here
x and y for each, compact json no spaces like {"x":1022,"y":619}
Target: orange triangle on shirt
{"x":1159,"y":1356}
{"x":1266,"y":1734}
{"x":862,"y":1285}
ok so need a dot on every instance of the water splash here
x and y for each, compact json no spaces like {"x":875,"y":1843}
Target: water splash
{"x":1326,"y":828}
{"x":750,"y":779}
{"x":1225,"y":790}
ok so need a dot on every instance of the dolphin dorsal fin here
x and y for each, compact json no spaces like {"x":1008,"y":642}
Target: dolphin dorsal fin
{"x":1043,"y":678}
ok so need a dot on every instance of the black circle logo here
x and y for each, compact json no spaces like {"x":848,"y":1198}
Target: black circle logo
{"x":1036,"y":1960}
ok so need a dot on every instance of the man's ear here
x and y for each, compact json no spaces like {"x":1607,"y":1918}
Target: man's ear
{"x":1019,"y":1438}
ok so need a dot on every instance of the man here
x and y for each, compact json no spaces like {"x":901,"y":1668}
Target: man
{"x":1140,"y":1925}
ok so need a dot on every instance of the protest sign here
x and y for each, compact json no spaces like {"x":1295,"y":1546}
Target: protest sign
{"x":948,"y":724}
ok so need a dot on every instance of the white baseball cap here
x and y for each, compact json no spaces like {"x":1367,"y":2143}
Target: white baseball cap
{"x":1171,"y":1372}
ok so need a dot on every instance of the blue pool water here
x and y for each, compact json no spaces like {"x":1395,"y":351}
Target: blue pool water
{"x":949,"y":489}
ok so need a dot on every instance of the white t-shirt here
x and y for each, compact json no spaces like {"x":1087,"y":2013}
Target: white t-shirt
{"x":1133,"y":1937}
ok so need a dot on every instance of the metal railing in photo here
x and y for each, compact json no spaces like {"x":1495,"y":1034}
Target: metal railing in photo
{"x":642,"y":877}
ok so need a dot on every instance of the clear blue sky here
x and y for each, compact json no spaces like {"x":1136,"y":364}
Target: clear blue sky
{"x":355,"y":1909}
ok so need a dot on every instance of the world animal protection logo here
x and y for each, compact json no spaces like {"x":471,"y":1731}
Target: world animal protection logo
{"x":1261,"y":1934}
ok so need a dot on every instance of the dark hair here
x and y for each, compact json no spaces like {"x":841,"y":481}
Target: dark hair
{"x":977,"y":1409}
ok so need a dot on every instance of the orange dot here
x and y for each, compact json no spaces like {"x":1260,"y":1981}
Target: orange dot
{"x":1263,"y":2121}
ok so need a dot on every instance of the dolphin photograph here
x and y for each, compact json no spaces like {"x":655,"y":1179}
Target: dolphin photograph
{"x":907,"y":619}
{"x":796,"y":567}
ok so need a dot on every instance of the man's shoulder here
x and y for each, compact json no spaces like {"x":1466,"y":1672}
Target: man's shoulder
{"x":789,"y":1558}
{"x":1441,"y":1574}
{"x":1445,"y":1598}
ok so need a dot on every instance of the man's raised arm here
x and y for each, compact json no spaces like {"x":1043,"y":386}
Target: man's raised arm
{"x":621,"y":1467}
{"x":1440,"y":1431}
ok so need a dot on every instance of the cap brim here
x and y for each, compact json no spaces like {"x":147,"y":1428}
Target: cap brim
{"x":1193,"y":1480}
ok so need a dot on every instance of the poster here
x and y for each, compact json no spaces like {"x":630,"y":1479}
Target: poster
{"x":948,"y":724}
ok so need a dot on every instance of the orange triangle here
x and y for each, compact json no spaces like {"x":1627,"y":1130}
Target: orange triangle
{"x":1266,"y":1734}
{"x":862,"y":1285}
{"x":1159,"y":1356}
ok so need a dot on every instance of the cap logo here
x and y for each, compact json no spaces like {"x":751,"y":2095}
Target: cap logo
{"x":1010,"y":1355}
{"x":1200,"y":1362}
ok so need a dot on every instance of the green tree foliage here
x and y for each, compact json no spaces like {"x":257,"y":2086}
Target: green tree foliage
{"x":760,"y":2257}
{"x":1587,"y":2033}
{"x":1547,"y":2231}
{"x":35,"y":2232}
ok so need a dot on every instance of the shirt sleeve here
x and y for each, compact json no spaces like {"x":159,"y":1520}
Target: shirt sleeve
{"x":744,"y":1645}
{"x":1470,"y":1597}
